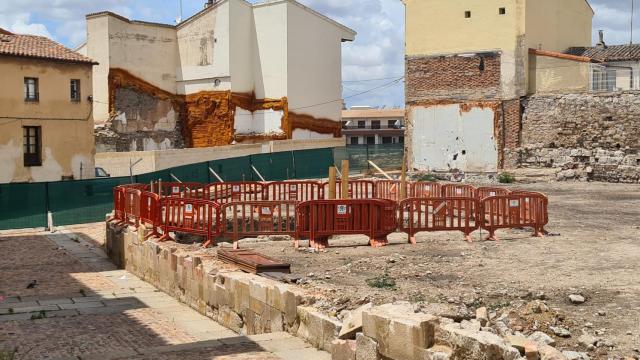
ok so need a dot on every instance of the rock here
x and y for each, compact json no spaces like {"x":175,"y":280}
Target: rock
{"x":560,"y":331}
{"x":353,"y":323}
{"x":531,"y":351}
{"x":542,"y":338}
{"x":473,"y":325}
{"x":454,"y":312}
{"x":437,"y":352}
{"x":366,"y":348}
{"x":550,"y":353}
{"x":517,"y":342}
{"x":343,"y":350}
{"x":586,"y":339}
{"x":576,"y":299}
{"x":468,"y":344}
{"x":602,"y":313}
{"x":482,"y":315}
{"x":574,"y":355}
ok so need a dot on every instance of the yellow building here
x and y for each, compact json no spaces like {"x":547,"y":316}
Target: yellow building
{"x":468,"y":63}
{"x":46,"y":117}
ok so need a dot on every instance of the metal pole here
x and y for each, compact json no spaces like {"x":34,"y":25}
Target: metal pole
{"x":80,"y":171}
{"x":380,"y":170}
{"x":258,"y":173}
{"x":175,"y":178}
{"x":216,"y":175}
{"x":632,"y":8}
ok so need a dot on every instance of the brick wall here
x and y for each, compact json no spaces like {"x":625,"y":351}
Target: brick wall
{"x":512,"y":131}
{"x":452,"y":77}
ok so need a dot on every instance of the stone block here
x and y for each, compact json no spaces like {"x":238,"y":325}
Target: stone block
{"x":366,"y":348}
{"x":469,"y":344}
{"x":353,"y":324}
{"x":343,"y":350}
{"x":399,"y":331}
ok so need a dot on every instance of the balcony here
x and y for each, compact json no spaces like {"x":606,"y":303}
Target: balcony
{"x":386,"y":130}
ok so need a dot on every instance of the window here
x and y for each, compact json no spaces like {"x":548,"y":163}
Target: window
{"x":401,"y":139}
{"x":31,"y":89}
{"x":362,"y":124}
{"x":391,"y":124}
{"x":467,"y":14}
{"x":354,"y":140}
{"x":371,"y":140}
{"x":75,"y":90}
{"x":375,"y":124}
{"x":502,"y":11}
{"x":32,"y":139}
{"x":387,"y":140}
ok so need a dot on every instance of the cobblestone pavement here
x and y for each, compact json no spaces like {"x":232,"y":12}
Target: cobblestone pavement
{"x":61,"y":298}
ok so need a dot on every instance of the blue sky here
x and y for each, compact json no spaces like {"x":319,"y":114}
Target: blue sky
{"x":377,"y":52}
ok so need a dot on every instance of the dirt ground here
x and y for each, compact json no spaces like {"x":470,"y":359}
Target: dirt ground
{"x":593,"y":251}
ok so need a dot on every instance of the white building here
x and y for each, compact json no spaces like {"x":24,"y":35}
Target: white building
{"x":366,"y":125}
{"x":234,"y":72}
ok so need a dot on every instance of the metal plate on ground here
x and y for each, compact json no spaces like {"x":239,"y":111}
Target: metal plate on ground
{"x":253,"y":262}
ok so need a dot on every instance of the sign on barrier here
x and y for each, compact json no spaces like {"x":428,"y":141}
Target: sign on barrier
{"x":438,"y":214}
{"x":227,"y":192}
{"x":182,"y":190}
{"x":515,"y":210}
{"x":255,"y":218}
{"x":192,"y":216}
{"x":317,"y":220}
{"x":293,"y":190}
{"x":483,"y":192}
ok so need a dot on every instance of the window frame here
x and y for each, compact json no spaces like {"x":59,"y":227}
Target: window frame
{"x":28,"y":97}
{"x":32,"y":158}
{"x":78,"y":90}
{"x":502,"y":11}
{"x":467,"y":14}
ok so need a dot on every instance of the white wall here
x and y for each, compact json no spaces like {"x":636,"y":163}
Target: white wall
{"x":243,"y":46}
{"x":97,"y":48}
{"x":203,"y":51}
{"x":270,"y":52}
{"x":445,"y":138}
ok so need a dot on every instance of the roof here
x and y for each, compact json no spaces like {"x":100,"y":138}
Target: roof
{"x":38,"y":47}
{"x":560,"y":55}
{"x":122,"y":18}
{"x":373,"y":113}
{"x":608,"y":53}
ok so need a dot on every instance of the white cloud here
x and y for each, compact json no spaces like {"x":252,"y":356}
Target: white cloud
{"x":20,"y":23}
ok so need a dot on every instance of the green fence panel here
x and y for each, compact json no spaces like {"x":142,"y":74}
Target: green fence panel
{"x":163,"y":175}
{"x":313,"y":164}
{"x":236,"y":169}
{"x":358,"y":156}
{"x":387,"y":156}
{"x":191,"y":173}
{"x":83,"y":201}
{"x":23,"y":206}
{"x":262,"y":163}
{"x":282,"y":166}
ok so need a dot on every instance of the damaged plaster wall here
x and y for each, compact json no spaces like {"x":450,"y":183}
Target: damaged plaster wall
{"x":587,"y":136}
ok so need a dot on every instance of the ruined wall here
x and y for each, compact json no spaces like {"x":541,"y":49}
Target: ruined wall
{"x":593,"y":136}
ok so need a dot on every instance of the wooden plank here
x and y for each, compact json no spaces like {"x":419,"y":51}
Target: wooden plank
{"x":251,"y":261}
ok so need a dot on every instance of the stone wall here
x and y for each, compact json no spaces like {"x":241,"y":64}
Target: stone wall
{"x":588,"y":136}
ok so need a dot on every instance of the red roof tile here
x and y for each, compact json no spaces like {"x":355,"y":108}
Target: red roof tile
{"x":38,"y":47}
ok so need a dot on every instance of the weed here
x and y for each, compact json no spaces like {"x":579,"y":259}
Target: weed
{"x":11,"y":311}
{"x":7,"y":354}
{"x":37,"y":316}
{"x":506,"y":178}
{"x":83,"y":293}
{"x":417,"y":297}
{"x":382,"y":282}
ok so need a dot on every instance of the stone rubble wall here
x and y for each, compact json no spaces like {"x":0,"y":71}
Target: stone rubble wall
{"x":587,"y":136}
{"x":250,"y":304}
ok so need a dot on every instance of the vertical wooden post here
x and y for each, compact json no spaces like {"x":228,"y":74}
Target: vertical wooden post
{"x":332,"y":183}
{"x":403,"y":178}
{"x":344,"y":190}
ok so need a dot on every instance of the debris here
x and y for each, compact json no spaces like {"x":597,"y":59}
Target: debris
{"x":278,"y":276}
{"x":574,"y":355}
{"x":560,"y":331}
{"x":482,"y":315}
{"x":32,"y":284}
{"x":586,"y":340}
{"x":576,"y":299}
{"x":531,"y":351}
{"x":353,"y":322}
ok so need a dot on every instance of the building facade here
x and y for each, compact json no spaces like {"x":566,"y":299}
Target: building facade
{"x":364,"y":125}
{"x":234,"y":72}
{"x":45,"y":111}
{"x":468,"y":64}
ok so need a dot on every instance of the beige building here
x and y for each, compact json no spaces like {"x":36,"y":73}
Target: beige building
{"x":46,"y":116}
{"x":235,"y":72}
{"x":469,"y":62}
{"x":364,"y":125}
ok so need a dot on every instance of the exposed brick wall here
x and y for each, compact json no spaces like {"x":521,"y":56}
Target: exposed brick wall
{"x":512,"y":131}
{"x":452,"y":77}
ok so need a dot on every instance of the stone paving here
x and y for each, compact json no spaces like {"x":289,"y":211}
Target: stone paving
{"x":81,"y":307}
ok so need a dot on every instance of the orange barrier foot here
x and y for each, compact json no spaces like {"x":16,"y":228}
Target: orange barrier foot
{"x":235,"y":245}
{"x":492,"y":237}
{"x":296,"y":244}
{"x":412,"y":240}
{"x":467,"y":238}
{"x":212,"y":242}
{"x":164,"y":238}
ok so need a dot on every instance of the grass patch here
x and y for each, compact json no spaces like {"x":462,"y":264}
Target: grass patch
{"x":506,"y":178}
{"x":83,"y":293}
{"x":40,"y":315}
{"x":7,"y":354}
{"x":382,"y":282}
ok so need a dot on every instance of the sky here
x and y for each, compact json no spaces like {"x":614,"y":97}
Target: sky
{"x":372,"y":64}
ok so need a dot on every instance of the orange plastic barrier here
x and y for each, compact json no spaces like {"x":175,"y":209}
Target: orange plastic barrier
{"x":544,"y":210}
{"x":192,"y":216}
{"x":132,"y":207}
{"x":438,"y":214}
{"x":319,"y":219}
{"x":255,"y":218}
{"x":151,"y":211}
{"x":425,"y":189}
{"x":458,"y":190}
{"x":293,"y":190}
{"x":388,"y":189}
{"x":358,"y":189}
{"x":483,"y":192}
{"x":515,"y":210}
{"x":227,"y":192}
{"x":119,"y":194}
{"x":183,"y":190}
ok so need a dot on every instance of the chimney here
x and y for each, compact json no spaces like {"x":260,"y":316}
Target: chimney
{"x":601,"y":44}
{"x":208,"y":3}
